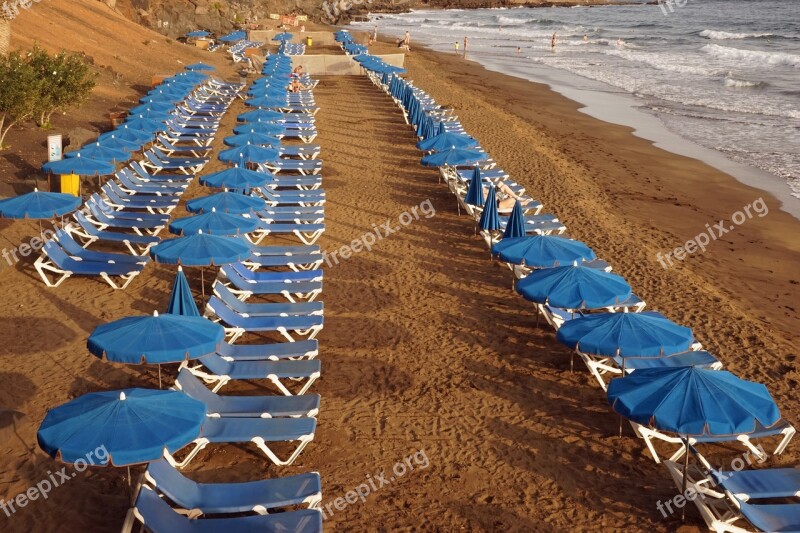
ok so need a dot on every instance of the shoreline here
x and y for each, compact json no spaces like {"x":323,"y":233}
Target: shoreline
{"x":611,"y":105}
{"x":659,"y":198}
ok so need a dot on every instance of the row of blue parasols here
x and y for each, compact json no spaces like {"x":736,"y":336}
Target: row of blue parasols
{"x":138,"y":424}
{"x":689,"y":401}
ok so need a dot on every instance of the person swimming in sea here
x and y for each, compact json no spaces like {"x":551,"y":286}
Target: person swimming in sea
{"x":553,"y":41}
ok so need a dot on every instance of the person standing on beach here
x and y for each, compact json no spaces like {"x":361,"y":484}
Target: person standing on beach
{"x":456,"y":45}
{"x":375,"y":34}
{"x":553,"y":41}
{"x":465,"y":45}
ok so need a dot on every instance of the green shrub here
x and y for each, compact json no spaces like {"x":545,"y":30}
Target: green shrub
{"x":37,"y":84}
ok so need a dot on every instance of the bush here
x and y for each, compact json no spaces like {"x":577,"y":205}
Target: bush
{"x":19,"y":94}
{"x":37,"y":84}
{"x":64,"y":80}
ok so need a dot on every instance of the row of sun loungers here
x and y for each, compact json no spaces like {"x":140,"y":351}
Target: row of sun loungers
{"x":727,"y":501}
{"x":132,"y":208}
{"x":269,"y":298}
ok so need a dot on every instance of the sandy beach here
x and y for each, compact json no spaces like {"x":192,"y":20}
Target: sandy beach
{"x":429,"y":358}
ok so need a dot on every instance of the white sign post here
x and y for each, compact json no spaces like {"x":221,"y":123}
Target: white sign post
{"x":54,"y":147}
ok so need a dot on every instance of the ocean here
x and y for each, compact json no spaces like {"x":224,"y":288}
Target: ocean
{"x":722,"y":73}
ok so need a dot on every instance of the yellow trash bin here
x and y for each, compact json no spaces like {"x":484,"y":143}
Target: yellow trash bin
{"x":309,"y":41}
{"x":71,"y":184}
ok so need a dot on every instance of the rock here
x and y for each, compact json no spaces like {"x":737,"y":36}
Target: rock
{"x":79,"y":136}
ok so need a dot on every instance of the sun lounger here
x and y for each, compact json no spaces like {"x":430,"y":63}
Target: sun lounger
{"x":167,"y":179}
{"x":723,"y":498}
{"x":783,"y":430}
{"x":226,"y":297}
{"x":246,"y":406}
{"x":170,"y":148}
{"x":297,"y":262}
{"x":158,"y":517}
{"x":293,"y":286}
{"x":54,"y":260}
{"x":76,"y":251}
{"x":129,"y":182}
{"x":259,"y":431}
{"x":103,"y":221}
{"x":304,"y":167}
{"x":88,"y":234}
{"x":305,"y":198}
{"x":289,"y":217}
{"x":197,"y":139}
{"x":118,"y":198}
{"x":304,"y":183}
{"x":764,"y":483}
{"x":220,"y":372}
{"x":307,"y":349}
{"x":273,"y":250}
{"x":262,"y":497}
{"x":157,"y":160}
{"x":305,"y":151}
{"x":307,"y":233}
{"x":289,"y":325}
{"x":600,"y":367}
{"x":97,"y":201}
{"x":184,"y":127}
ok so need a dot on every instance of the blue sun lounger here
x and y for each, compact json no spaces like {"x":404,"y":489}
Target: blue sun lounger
{"x":305,"y":198}
{"x":54,"y":260}
{"x":304,"y":285}
{"x":220,"y":372}
{"x":76,"y":251}
{"x":88,"y":233}
{"x":307,"y":233}
{"x":304,"y":151}
{"x":97,"y":201}
{"x":224,"y":296}
{"x":259,"y":431}
{"x":289,"y":326}
{"x":158,"y":161}
{"x":304,"y":183}
{"x":168,"y":179}
{"x":722,"y":498}
{"x":297,"y":258}
{"x":286,"y":250}
{"x":128,"y":181}
{"x":185,"y":128}
{"x":297,"y":262}
{"x":292,"y":210}
{"x":158,"y":517}
{"x":246,"y":406}
{"x":269,"y":352}
{"x":103,"y":221}
{"x":261,"y":496}
{"x":170,"y":148}
{"x":296,"y":218}
{"x":119,"y":198}
{"x":302,"y":166}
